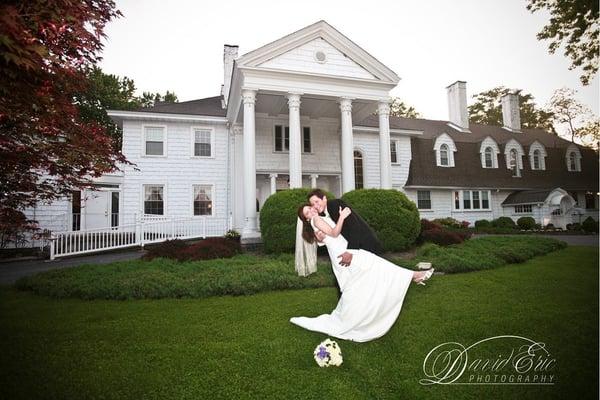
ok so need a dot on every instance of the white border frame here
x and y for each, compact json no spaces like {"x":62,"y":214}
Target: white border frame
{"x":165,"y":141}
{"x":212,"y":194}
{"x":193,"y":140}
{"x":142,"y":199}
{"x":461,"y":200}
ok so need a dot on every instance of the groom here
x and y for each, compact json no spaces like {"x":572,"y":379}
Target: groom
{"x":355,"y":230}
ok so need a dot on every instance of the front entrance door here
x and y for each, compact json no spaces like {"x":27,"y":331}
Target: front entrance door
{"x":95,"y":209}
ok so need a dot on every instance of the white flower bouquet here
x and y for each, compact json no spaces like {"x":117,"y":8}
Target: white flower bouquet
{"x":328,"y":353}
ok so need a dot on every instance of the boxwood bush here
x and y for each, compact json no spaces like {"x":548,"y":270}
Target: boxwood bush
{"x":482,"y":223}
{"x":590,"y":225}
{"x":504,"y":222}
{"x":278,"y":219}
{"x":526,"y":223}
{"x":393,"y":217}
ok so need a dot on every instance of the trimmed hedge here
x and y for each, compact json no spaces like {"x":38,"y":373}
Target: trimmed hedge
{"x":483,"y":223}
{"x":590,"y":225}
{"x":206,"y":249}
{"x":161,"y":278}
{"x":486,"y":252}
{"x":393,"y":217}
{"x":526,"y":223}
{"x":504,"y":222}
{"x":278,"y":219}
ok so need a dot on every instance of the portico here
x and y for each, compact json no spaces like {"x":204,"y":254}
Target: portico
{"x":308,"y":89}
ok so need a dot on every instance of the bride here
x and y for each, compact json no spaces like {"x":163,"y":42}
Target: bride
{"x":373,"y":288}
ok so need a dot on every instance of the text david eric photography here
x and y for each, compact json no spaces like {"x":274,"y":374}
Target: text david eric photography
{"x":507,"y":359}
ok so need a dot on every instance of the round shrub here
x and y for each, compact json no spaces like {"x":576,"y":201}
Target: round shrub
{"x":482,"y":223}
{"x":590,"y":225}
{"x":526,"y":223}
{"x":278,"y":219}
{"x":393,"y":217}
{"x":574,"y":226}
{"x":504,"y":222}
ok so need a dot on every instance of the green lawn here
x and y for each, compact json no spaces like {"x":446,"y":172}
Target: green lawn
{"x":245,"y":347}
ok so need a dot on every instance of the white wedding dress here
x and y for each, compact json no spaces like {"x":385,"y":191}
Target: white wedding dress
{"x":373,"y":290}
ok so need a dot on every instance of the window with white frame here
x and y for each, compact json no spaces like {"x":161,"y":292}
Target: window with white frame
{"x":574,"y":161}
{"x":513,"y":157}
{"x":444,"y":160}
{"x":471,"y":200}
{"x":203,"y":200}
{"x":358,"y":170}
{"x":394,"y":151}
{"x":306,"y":140}
{"x":424,"y":199}
{"x":282,"y":139}
{"x":488,"y":157}
{"x":202,"y":142}
{"x":537,"y":160}
{"x":523,"y":209}
{"x":154,"y":203}
{"x":154,"y":140}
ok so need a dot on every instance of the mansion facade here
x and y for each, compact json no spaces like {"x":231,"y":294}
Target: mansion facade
{"x":312,"y":110}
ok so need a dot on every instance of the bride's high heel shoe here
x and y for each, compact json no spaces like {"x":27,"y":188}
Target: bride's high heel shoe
{"x":427,"y":275}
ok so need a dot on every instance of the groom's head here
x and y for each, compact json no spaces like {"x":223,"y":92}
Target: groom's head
{"x":318,"y":200}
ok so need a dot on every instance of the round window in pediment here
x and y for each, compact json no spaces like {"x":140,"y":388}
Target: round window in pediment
{"x":320,"y":56}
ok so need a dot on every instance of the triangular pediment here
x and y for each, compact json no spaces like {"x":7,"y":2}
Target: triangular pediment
{"x":318,"y":49}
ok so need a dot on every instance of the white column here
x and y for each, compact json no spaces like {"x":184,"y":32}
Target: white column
{"x":249,"y":98}
{"x":273,"y":178}
{"x":347,"y":146}
{"x":384,"y":145}
{"x":313,"y":181}
{"x":295,"y":141}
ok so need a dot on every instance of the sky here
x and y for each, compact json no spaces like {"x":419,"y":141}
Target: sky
{"x":178,"y":45}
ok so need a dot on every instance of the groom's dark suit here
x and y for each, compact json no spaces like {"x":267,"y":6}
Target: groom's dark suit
{"x":355,"y":230}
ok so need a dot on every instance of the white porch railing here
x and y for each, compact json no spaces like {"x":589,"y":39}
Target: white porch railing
{"x":137,"y":234}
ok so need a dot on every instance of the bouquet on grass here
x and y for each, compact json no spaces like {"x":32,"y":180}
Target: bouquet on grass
{"x":328,"y":353}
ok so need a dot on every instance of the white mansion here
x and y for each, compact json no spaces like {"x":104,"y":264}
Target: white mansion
{"x":312,"y":110}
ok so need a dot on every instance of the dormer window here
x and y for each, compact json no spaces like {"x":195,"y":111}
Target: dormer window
{"x":537,"y":156}
{"x":444,"y":155}
{"x":513,"y":151}
{"x":573,"y":159}
{"x":444,"y":148}
{"x":514,"y":163}
{"x":489,"y":153}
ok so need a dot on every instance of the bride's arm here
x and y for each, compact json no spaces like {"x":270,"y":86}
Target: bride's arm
{"x":328,"y":230}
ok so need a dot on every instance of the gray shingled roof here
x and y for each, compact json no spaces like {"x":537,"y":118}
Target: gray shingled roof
{"x":210,"y":106}
{"x":468,"y":171}
{"x":526,"y":197}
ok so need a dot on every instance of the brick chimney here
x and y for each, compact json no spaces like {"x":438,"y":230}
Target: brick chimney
{"x":458,"y":114}
{"x":511,"y":116}
{"x":230,"y":53}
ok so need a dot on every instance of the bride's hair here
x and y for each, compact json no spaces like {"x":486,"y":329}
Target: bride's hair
{"x":308,"y":233}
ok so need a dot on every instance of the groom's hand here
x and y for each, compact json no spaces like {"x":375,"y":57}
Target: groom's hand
{"x":346,"y":259}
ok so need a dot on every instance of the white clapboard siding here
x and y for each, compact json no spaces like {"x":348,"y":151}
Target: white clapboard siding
{"x":177,"y":171}
{"x":303,"y":59}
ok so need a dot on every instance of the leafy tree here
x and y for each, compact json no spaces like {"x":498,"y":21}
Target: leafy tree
{"x":46,"y":147}
{"x":105,"y":92}
{"x":589,"y":133}
{"x":574,"y":26}
{"x":569,"y":111}
{"x":150,"y":99}
{"x":487,"y":109}
{"x":399,"y":108}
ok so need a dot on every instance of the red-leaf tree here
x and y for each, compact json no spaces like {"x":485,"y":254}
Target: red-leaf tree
{"x":46,"y":149}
